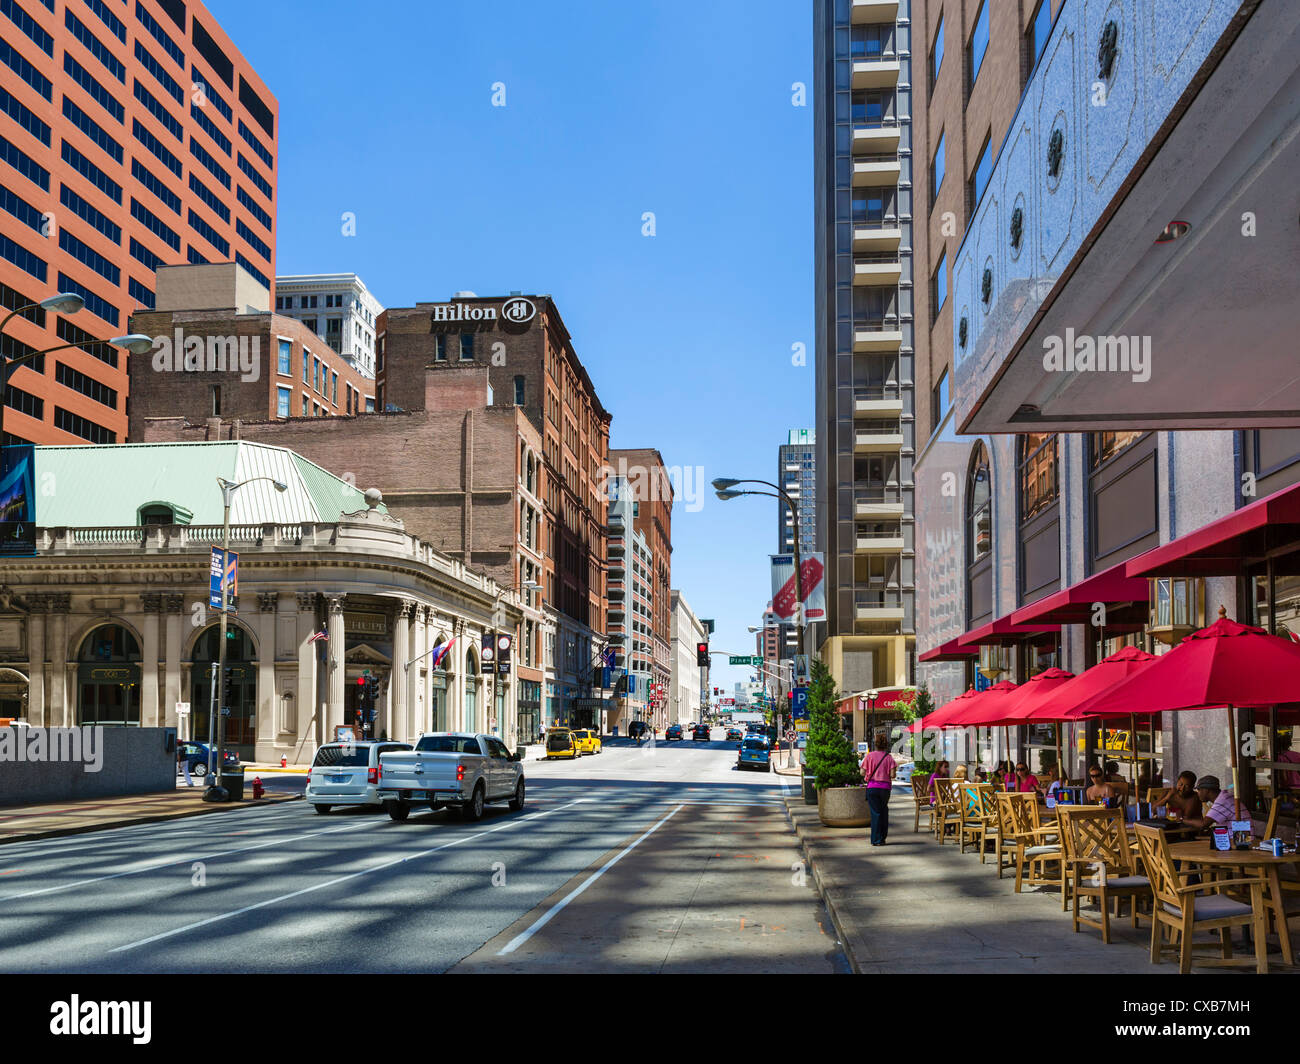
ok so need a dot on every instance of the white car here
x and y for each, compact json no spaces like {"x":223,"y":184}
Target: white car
{"x":348,"y":773}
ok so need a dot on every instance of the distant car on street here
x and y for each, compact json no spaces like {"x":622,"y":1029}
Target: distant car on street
{"x":348,"y":773}
{"x":588,"y":741}
{"x":734,"y":735}
{"x":638,"y":729}
{"x":755,"y":752}
{"x":197,"y":757}
{"x":560,"y":742}
{"x":700,"y":731}
{"x":674,"y":732}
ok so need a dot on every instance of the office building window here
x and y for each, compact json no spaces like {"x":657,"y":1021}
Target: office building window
{"x":936,"y":53}
{"x":937,"y":168}
{"x":282,"y":397}
{"x":979,"y":45}
{"x":939,"y":402}
{"x":979,"y":180}
{"x":1039,"y":30}
{"x":286,"y":354}
{"x":939,"y":287}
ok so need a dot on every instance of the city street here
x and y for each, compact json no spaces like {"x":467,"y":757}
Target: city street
{"x":662,"y":858}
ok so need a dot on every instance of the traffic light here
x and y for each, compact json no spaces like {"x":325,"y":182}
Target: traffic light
{"x":702,"y":655}
{"x":228,"y":687}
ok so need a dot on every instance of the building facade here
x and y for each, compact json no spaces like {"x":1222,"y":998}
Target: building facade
{"x":686,"y":684}
{"x":131,"y":136}
{"x":796,"y":472}
{"x":865,"y":173}
{"x":338,"y":307}
{"x":109,"y":623}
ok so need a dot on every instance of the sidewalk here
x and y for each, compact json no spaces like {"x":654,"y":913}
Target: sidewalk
{"x":913,"y":906}
{"x":22,"y":823}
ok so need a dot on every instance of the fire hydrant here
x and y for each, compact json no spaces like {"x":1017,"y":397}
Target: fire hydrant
{"x":284,"y":761}
{"x":257,"y":787}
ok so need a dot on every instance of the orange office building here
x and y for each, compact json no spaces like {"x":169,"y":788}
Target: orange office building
{"x":132,"y":135}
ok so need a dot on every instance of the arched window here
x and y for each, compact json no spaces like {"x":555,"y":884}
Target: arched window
{"x":1038,"y":562}
{"x":979,"y":537}
{"x":108,"y":677}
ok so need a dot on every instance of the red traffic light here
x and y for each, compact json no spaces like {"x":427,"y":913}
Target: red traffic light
{"x":361,"y":681}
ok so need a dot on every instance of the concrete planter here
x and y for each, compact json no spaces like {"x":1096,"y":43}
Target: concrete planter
{"x":843,"y":807}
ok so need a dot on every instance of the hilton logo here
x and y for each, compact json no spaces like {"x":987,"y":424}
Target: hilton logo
{"x":518,"y":310}
{"x":514,"y":311}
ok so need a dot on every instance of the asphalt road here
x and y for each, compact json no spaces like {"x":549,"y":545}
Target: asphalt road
{"x":661,"y":858}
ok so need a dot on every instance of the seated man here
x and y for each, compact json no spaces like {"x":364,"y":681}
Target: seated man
{"x":1185,"y":801}
{"x":1220,"y":808}
{"x":1099,"y":789}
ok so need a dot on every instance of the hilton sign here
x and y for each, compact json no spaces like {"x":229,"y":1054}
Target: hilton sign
{"x":514,"y":314}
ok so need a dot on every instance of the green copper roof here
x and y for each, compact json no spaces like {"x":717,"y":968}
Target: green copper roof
{"x":96,"y":486}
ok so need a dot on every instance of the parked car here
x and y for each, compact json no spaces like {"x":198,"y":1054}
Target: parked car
{"x":754,"y":752}
{"x":734,"y":735}
{"x":197,"y":756}
{"x":700,"y":731}
{"x":561,"y":742}
{"x":588,"y":741}
{"x":455,"y":770}
{"x":348,"y":773}
{"x":638,"y":729}
{"x":674,"y":732}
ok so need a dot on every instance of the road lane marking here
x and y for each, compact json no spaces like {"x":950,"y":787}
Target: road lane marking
{"x":555,"y":909}
{"x":341,"y":879}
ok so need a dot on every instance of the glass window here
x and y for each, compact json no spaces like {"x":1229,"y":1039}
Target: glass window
{"x":286,"y":354}
{"x":979,"y":43}
{"x":936,"y":54}
{"x":978,"y":514}
{"x":939,"y":401}
{"x":1103,"y":446}
{"x":937,"y":167}
{"x":282,"y":397}
{"x":939,"y":287}
{"x":306,"y":370}
{"x":334,"y":387}
{"x":983,"y":171}
{"x":466,"y":347}
{"x":306,"y":407}
{"x":440,"y":347}
{"x":1038,"y":483}
{"x":1039,"y":30}
{"x":519,"y":391}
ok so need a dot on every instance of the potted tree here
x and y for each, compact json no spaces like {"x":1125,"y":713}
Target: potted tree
{"x":841,"y":798}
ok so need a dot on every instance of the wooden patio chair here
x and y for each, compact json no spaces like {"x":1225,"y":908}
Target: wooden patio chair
{"x":1028,"y":843}
{"x":1159,"y":795}
{"x":1180,"y":911}
{"x":947,"y":809}
{"x":1100,"y":864}
{"x":921,"y":801}
{"x":979,"y":820}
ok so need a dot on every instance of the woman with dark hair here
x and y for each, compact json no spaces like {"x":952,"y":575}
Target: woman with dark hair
{"x":878,"y":770}
{"x":941,"y":772}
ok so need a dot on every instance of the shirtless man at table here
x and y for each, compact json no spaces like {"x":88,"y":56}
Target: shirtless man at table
{"x":1219,"y":805}
{"x":1185,"y":801}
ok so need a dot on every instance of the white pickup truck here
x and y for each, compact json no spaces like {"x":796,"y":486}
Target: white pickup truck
{"x":457,"y":769}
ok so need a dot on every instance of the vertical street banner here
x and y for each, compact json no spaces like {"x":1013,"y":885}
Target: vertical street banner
{"x":17,"y":501}
{"x":224,"y":569}
{"x":811,"y":573}
{"x":488,"y":653}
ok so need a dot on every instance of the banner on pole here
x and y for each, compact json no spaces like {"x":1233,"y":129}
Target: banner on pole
{"x":811,"y":572}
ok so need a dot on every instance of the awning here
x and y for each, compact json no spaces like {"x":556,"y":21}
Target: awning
{"x":1003,"y":632}
{"x":1075,"y":604}
{"x":949,"y":651}
{"x":1223,"y":546}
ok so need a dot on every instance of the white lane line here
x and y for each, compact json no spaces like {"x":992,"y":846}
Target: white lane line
{"x":341,"y":879}
{"x":546,"y":917}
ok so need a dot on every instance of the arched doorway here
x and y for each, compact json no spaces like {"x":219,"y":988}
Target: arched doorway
{"x":241,"y":663}
{"x":108,"y":677}
{"x":471,"y":693}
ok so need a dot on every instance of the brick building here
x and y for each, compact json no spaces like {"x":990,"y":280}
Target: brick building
{"x":220,"y":352}
{"x":131,"y":136}
{"x":527,"y":353}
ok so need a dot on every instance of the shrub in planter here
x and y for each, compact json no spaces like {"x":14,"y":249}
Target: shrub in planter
{"x":831,"y":758}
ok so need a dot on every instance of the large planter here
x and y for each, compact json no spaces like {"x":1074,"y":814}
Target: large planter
{"x":843,"y":807}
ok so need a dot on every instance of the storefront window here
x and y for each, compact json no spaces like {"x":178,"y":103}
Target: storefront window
{"x":1103,"y":446}
{"x":1038,"y":486}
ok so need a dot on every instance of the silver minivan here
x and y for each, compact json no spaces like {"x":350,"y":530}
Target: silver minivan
{"x":348,"y":773}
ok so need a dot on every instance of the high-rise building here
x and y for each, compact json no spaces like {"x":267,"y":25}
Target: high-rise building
{"x":685,"y":690}
{"x":339,"y":308}
{"x":132,"y":135}
{"x":865,"y":337}
{"x":796,"y":472}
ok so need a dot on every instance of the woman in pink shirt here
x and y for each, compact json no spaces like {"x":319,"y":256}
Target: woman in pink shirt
{"x":878,"y":770}
{"x":1024,"y":780}
{"x":941,"y":772}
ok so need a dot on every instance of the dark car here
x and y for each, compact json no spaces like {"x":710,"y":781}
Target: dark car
{"x":674,"y":732}
{"x":638,"y":729}
{"x":700,"y":731}
{"x":196,"y":756}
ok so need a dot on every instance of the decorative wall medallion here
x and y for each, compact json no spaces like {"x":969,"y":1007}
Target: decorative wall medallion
{"x":1107,"y":50}
{"x":963,"y":331}
{"x":1055,"y":153}
{"x":986,"y":287}
{"x":1017,"y":229}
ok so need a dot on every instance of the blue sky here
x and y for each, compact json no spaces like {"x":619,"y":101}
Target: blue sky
{"x":676,"y":107}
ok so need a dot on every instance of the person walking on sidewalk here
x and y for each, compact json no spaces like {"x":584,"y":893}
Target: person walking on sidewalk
{"x":879,"y":769}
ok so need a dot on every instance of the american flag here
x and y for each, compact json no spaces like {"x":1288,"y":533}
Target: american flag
{"x":316,"y":636}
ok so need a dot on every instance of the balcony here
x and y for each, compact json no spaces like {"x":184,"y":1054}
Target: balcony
{"x":877,"y":401}
{"x":877,"y":235}
{"x":877,"y":268}
{"x":869,"y":438}
{"x":876,"y":138}
{"x":867,"y":11}
{"x":878,"y":168}
{"x":888,"y":542}
{"x":879,"y":335}
{"x":876,"y":72}
{"x":878,"y":607}
{"x":878,"y":502}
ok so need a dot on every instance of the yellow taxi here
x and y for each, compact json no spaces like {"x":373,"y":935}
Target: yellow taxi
{"x":588,"y":741}
{"x":561,"y":742}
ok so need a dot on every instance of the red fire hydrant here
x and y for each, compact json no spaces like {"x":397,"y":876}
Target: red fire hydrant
{"x":257,"y":787}
{"x":284,"y":761}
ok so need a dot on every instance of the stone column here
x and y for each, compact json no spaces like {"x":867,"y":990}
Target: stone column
{"x":334,"y":665}
{"x":311,"y":723}
{"x":60,"y":655}
{"x":173,"y":690}
{"x":267,"y":696}
{"x":417,"y":705}
{"x":456,"y":681}
{"x":397,"y":703}
{"x":37,"y":711}
{"x":151,"y":602}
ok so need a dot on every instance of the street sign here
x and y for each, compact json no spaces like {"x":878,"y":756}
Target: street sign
{"x":182,"y":709}
{"x":801,"y":725}
{"x":17,"y":501}
{"x":799,"y":703}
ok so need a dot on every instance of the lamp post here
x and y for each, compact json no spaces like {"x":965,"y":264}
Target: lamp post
{"x":723,"y":487}
{"x":215,"y":793}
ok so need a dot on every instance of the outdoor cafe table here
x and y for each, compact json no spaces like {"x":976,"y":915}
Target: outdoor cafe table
{"x":1199,"y":853}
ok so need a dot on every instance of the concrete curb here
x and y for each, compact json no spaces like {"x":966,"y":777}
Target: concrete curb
{"x":86,"y":829}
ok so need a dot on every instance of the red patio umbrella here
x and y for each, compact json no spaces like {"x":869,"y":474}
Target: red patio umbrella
{"x":1227,"y":664}
{"x":939,"y":718}
{"x":987,"y":710}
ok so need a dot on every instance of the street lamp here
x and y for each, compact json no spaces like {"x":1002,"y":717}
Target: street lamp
{"x":216,"y":793}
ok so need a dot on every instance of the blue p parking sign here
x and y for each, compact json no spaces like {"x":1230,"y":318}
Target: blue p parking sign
{"x":799,"y":704}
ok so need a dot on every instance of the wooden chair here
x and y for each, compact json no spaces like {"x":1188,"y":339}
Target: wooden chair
{"x":1179,"y":910}
{"x":1159,"y":795}
{"x":978,"y":816}
{"x":947,"y":809}
{"x":1100,"y":863}
{"x":921,"y":800}
{"x":1022,"y":837}
{"x":1286,"y":875}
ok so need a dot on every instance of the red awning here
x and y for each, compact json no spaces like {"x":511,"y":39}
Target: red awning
{"x":1003,"y":632}
{"x":1222,"y":546}
{"x":949,"y":651}
{"x":1074,"y":604}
